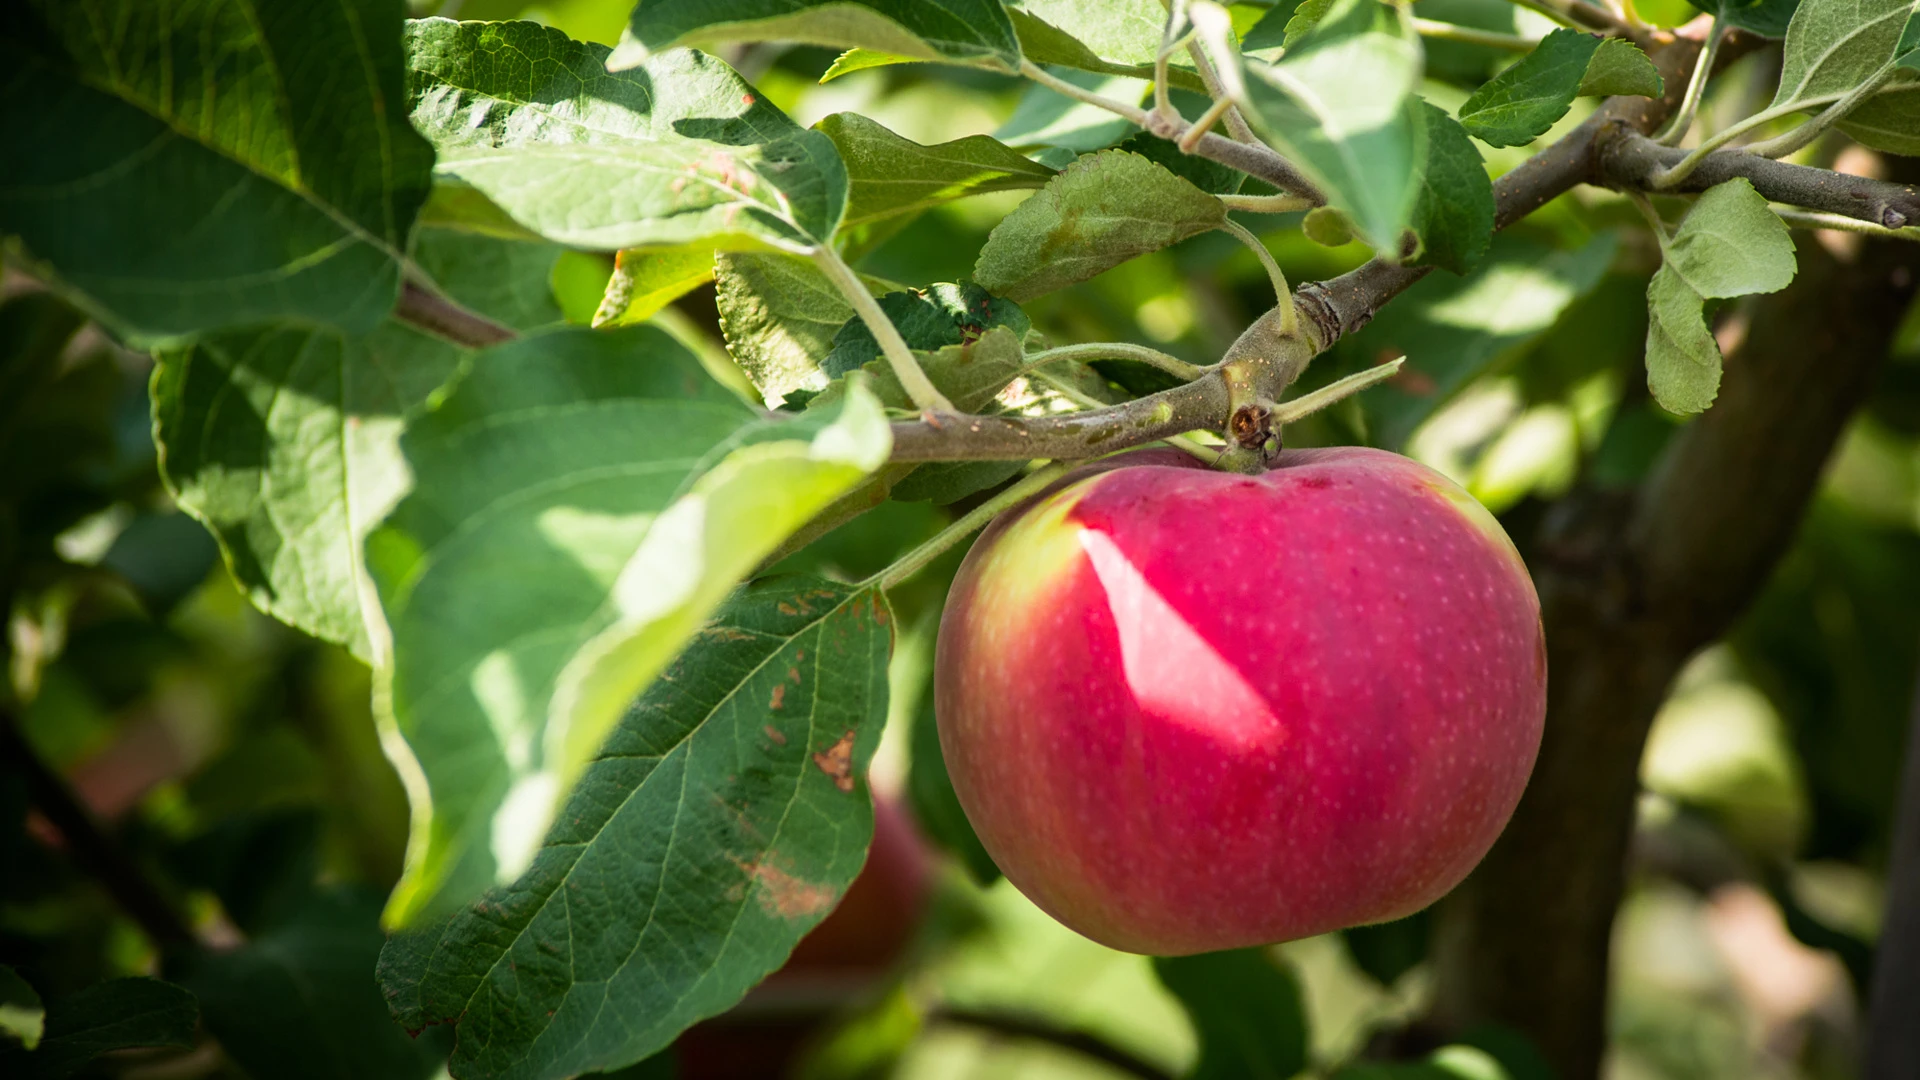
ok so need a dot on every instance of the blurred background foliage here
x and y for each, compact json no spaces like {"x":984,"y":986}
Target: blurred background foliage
{"x":237,"y":760}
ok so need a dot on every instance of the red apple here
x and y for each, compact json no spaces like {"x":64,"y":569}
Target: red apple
{"x":1190,"y":710}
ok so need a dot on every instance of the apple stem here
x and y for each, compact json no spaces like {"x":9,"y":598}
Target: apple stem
{"x":916,"y":560}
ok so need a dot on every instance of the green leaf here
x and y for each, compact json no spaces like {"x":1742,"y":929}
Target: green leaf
{"x":719,"y":823}
{"x":1731,"y":244}
{"x":929,"y":318}
{"x":1117,"y":31}
{"x":1104,"y":209}
{"x":1683,"y":360}
{"x":1340,"y":104}
{"x":970,"y":375}
{"x":1766,"y":17}
{"x":115,"y":1015}
{"x":284,"y":439}
{"x":1246,"y":1009}
{"x":1284,"y":23}
{"x":779,"y":314}
{"x":1207,"y":175}
{"x":1833,"y":46}
{"x":1451,"y":329}
{"x":1518,"y":105}
{"x":1454,"y":217}
{"x":676,"y":150}
{"x":581,"y":499}
{"x":1618,"y":68}
{"x":955,"y":30}
{"x":1888,"y":121}
{"x":185,"y":168}
{"x":22,"y":1018}
{"x":645,"y":280}
{"x":306,"y":982}
{"x":890,"y":175}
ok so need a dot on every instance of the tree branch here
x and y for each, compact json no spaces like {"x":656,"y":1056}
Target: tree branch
{"x":1630,"y":587}
{"x":1893,"y":1039}
{"x":1629,"y":160}
{"x":447,"y":320}
{"x":90,"y":846}
{"x":1022,"y":1027}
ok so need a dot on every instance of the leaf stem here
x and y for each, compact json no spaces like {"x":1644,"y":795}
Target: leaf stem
{"x":1467,"y":35}
{"x":1682,"y":118}
{"x":1282,"y":293}
{"x":1781,"y":145}
{"x":1813,"y":219}
{"x":1253,"y":158}
{"x":1309,"y":403}
{"x":1118,"y":350}
{"x":1236,"y":124}
{"x":1672,"y":176}
{"x":1170,"y":40}
{"x":1645,"y":206}
{"x":444,"y":319}
{"x":976,"y":519}
{"x":1266,"y":204}
{"x":1198,"y":130}
{"x":926,"y":397}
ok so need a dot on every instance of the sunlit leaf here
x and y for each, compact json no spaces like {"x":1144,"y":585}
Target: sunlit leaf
{"x":581,"y":501}
{"x":1518,"y":105}
{"x":675,"y":150}
{"x":957,"y":30}
{"x":188,"y":167}
{"x":1453,"y":329}
{"x":1683,"y":361}
{"x":1454,"y":216}
{"x":284,"y":439}
{"x":1619,"y":67}
{"x":1889,"y":120}
{"x":1340,"y":105}
{"x":724,"y":817}
{"x":23,"y":1018}
{"x":1832,"y":46}
{"x":780,"y":314}
{"x":645,"y":280}
{"x":890,"y":175}
{"x":1102,"y":210}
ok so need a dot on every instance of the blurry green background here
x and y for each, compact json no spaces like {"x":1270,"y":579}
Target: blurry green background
{"x":240,"y":759}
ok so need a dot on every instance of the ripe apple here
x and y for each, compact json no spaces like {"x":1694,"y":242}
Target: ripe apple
{"x":1190,"y":710}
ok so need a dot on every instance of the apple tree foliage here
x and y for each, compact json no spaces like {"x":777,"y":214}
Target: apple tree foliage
{"x":590,"y":553}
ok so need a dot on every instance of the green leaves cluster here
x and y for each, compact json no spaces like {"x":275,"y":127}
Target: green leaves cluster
{"x":1728,"y":245}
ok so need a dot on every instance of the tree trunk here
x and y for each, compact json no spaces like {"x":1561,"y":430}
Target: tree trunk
{"x":1893,"y":1033}
{"x":1630,"y":587}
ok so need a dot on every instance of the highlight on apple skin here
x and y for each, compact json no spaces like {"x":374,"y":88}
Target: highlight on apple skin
{"x":1190,"y":710}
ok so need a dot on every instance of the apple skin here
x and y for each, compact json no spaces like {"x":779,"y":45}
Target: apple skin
{"x":1190,"y":710}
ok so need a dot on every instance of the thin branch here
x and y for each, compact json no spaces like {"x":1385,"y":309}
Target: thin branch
{"x":926,"y":397}
{"x":1282,"y":292}
{"x":1467,"y":35}
{"x":1629,"y":161}
{"x":1784,"y":144}
{"x":1254,"y":159}
{"x":1893,"y":1039}
{"x":447,"y":320}
{"x":1334,"y":392}
{"x":1024,"y":1027}
{"x":1236,"y":124}
{"x":1581,"y":16}
{"x":96,"y":852}
{"x":976,"y":519}
{"x":1201,"y":404}
{"x":1266,"y":204}
{"x":1810,"y":219}
{"x":1118,"y":350}
{"x":1682,"y":120}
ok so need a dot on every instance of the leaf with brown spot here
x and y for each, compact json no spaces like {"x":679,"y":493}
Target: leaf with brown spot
{"x":837,"y":762}
{"x":660,"y":896}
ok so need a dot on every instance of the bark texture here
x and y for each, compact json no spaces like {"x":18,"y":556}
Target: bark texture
{"x":1631,"y":585}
